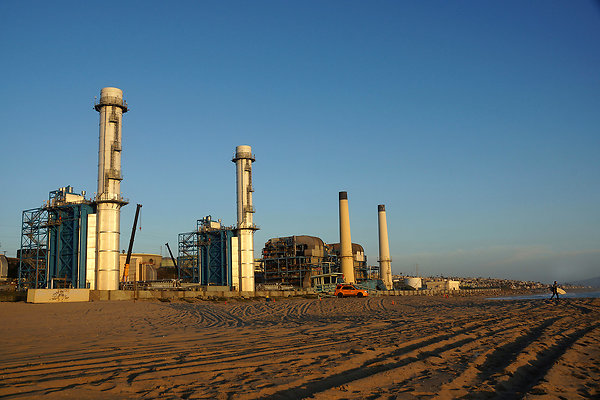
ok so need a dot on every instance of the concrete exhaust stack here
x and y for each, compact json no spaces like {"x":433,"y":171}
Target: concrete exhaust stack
{"x":347,"y":259}
{"x":243,"y":278}
{"x":109,"y":201}
{"x":385,"y":268}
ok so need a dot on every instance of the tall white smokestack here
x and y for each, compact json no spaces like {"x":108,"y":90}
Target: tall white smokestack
{"x":385,"y":268}
{"x":109,"y":201}
{"x":347,"y":259}
{"x":243,"y":161}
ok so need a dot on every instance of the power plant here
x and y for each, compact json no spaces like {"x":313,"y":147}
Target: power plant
{"x":74,"y":242}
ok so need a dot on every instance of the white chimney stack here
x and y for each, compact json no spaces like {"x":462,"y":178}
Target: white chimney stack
{"x":385,"y":268}
{"x":109,"y":201}
{"x":243,"y":159}
{"x":347,"y":259}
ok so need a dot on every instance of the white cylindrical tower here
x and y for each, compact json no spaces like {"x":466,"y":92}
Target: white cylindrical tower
{"x":108,"y":198}
{"x":243,"y":160}
{"x":346,"y":257}
{"x":385,"y":267}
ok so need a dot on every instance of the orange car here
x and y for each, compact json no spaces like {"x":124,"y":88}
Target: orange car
{"x":347,"y":290}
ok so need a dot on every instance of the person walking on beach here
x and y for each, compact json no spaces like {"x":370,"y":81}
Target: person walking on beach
{"x":554,"y":291}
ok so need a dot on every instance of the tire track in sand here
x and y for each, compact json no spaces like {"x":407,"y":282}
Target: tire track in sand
{"x":406,"y":355}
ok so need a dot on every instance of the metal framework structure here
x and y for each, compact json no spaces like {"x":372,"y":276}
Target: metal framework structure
{"x":205,"y":255}
{"x":361,"y":270}
{"x":187,"y":257}
{"x":53,"y":242}
{"x":34,"y":249}
{"x":67,"y":234}
{"x":287,"y":261}
{"x":215,"y":256}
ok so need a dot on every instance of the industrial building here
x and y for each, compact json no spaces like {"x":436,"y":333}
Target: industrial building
{"x":359,"y":260}
{"x":56,"y":242}
{"x":294,"y":260}
{"x":445,"y":284}
{"x":206,"y":255}
{"x":142,"y":267}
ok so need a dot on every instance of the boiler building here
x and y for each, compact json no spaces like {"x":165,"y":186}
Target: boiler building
{"x":293,"y":260}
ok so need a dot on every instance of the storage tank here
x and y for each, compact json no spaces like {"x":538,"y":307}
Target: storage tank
{"x":414,"y":283}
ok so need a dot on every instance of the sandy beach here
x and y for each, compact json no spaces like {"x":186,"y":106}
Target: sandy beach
{"x":373,"y":348}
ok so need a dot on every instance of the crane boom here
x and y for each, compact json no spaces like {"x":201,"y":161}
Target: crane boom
{"x":131,"y":239}
{"x":172,"y":258}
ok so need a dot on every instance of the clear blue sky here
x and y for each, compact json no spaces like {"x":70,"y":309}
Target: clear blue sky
{"x":476,"y":123}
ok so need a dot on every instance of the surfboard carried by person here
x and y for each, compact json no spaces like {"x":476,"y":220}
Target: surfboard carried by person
{"x":556,"y":290}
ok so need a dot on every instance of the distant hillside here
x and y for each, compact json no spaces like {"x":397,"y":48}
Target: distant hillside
{"x":593,"y":282}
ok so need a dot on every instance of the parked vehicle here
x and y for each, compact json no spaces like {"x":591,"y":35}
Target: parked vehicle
{"x":349,"y":290}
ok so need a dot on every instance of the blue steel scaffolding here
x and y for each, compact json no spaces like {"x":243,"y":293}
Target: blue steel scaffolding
{"x":215,"y":255}
{"x":34,"y":249}
{"x":54,"y":242}
{"x":67,"y":234}
{"x":205,"y":254}
{"x":188,"y":261}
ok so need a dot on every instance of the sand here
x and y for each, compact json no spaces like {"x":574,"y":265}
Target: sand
{"x":374,"y":348}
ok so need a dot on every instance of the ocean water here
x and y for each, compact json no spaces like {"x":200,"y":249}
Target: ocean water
{"x":542,"y":296}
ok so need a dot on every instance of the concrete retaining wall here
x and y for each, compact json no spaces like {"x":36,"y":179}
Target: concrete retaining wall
{"x":57,"y":295}
{"x":214,"y":293}
{"x":433,"y":292}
